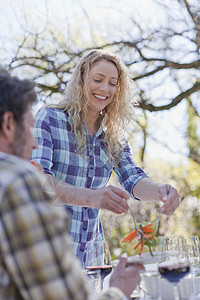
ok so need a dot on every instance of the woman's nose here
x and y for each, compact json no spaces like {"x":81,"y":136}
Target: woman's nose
{"x":104,"y":86}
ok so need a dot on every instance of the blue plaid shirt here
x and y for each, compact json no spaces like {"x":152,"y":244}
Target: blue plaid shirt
{"x":56,"y":153}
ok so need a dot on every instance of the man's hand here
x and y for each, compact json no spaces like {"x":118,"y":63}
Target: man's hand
{"x":126,"y":277}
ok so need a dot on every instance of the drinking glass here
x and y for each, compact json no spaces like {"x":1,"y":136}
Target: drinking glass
{"x":95,"y":280}
{"x":173,"y":261}
{"x":150,"y":285}
{"x":97,"y":257}
{"x":193,"y":251}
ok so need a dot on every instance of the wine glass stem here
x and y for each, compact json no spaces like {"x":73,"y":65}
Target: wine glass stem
{"x":101,"y":284}
{"x":176,"y":292}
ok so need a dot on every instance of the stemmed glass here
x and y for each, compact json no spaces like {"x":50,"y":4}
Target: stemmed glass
{"x":194,"y":258}
{"x":98,"y":258}
{"x":173,"y":261}
{"x":193,"y":251}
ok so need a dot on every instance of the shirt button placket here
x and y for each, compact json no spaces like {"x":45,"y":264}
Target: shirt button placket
{"x":91,"y":161}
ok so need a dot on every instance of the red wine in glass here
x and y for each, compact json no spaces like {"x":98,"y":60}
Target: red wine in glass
{"x":104,"y":270}
{"x":173,"y":261}
{"x":174,"y":273}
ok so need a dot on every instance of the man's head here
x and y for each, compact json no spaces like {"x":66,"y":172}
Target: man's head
{"x":16,"y":119}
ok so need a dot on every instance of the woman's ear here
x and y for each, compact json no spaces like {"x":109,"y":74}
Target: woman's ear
{"x":8,"y":126}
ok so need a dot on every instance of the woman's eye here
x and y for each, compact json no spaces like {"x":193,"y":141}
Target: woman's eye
{"x":97,"y":80}
{"x":113,"y":84}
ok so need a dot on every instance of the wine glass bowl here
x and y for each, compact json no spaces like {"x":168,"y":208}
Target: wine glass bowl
{"x":193,"y":250}
{"x":98,"y":258}
{"x":194,"y":258}
{"x":174,"y":273}
{"x":174,"y":265}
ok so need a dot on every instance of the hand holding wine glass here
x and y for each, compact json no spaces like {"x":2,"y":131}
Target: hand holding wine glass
{"x":173,"y":261}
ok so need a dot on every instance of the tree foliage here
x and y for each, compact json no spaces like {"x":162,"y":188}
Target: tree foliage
{"x":162,"y":56}
{"x":158,"y":56}
{"x":162,"y":52}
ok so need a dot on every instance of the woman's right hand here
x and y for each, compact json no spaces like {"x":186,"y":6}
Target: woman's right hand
{"x":111,"y":198}
{"x":126,"y":277}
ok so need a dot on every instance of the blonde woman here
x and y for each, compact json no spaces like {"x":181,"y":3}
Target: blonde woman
{"x":80,"y":143}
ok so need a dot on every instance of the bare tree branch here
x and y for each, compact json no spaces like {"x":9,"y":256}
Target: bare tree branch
{"x":174,"y":102}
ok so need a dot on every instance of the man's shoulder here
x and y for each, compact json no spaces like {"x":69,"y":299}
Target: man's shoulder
{"x":13,"y":167}
{"x":20,"y":176}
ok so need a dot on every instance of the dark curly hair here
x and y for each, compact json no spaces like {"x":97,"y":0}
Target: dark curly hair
{"x":15,"y":96}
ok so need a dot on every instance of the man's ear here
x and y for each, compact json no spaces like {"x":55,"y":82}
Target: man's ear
{"x":8,"y":126}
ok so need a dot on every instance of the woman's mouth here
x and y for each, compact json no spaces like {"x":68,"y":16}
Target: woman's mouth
{"x":99,"y":97}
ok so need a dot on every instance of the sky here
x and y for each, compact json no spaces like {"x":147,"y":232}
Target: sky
{"x":166,"y":125}
{"x":12,"y":11}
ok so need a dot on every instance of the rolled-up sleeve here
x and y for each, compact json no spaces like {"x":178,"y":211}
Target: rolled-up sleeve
{"x":127,"y":172}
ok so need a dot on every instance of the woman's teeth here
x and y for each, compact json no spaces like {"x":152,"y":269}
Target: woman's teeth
{"x":100,"y":97}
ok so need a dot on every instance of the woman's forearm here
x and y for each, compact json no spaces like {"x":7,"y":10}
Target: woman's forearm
{"x":110,"y":197}
{"x":146,"y":190}
{"x":67,"y":194}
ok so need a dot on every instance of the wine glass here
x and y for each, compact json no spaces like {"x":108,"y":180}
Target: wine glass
{"x":173,"y":261}
{"x":193,"y":251}
{"x":150,"y":285}
{"x":97,"y":257}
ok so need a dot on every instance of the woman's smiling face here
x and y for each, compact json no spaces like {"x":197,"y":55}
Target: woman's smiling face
{"x":102,"y":85}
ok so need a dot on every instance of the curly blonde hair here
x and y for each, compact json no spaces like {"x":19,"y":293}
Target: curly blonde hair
{"x":114,"y":117}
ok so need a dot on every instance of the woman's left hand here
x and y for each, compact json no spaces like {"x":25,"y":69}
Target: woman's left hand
{"x":170,"y":197}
